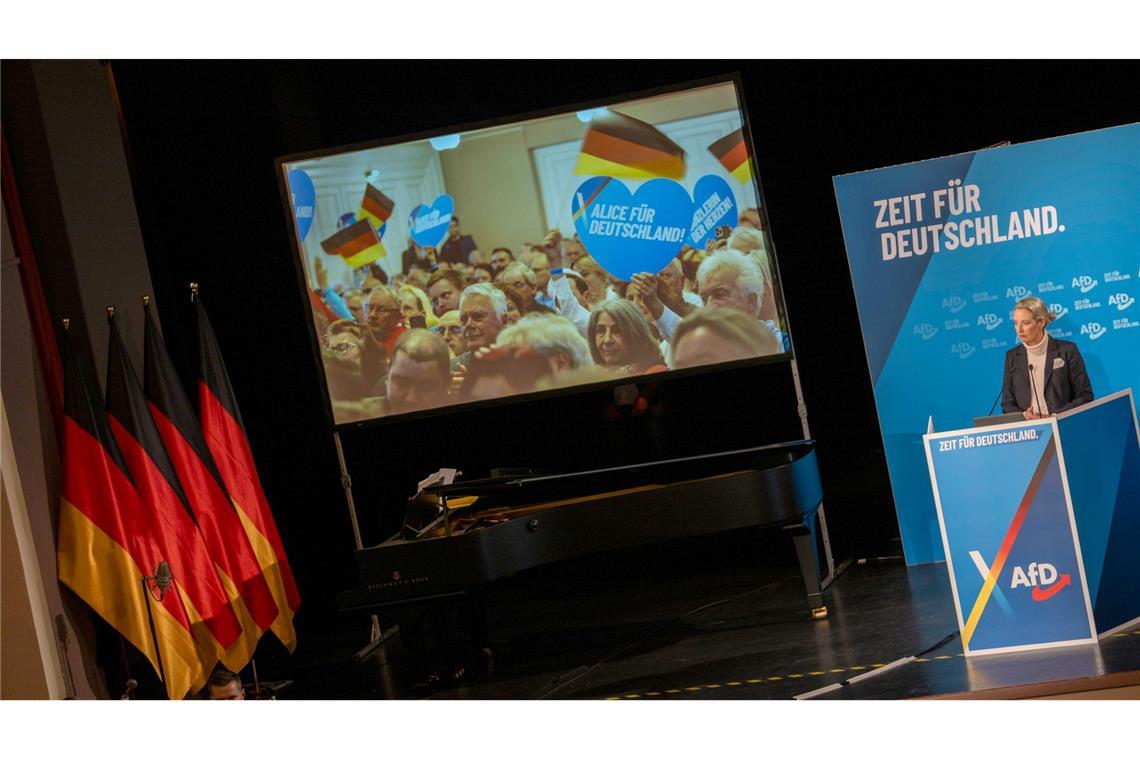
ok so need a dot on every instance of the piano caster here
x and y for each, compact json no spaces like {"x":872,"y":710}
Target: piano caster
{"x":819,"y":613}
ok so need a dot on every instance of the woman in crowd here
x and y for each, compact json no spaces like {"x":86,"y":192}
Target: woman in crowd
{"x":620,"y":339}
{"x":1043,"y":375}
{"x":415,"y":303}
{"x":597,"y":280}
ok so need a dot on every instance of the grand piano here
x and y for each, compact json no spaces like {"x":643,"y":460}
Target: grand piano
{"x":459,"y":536}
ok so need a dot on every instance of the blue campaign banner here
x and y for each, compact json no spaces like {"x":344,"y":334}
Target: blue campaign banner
{"x":429,"y":224}
{"x":1011,"y":551}
{"x":940,"y":251}
{"x":1101,"y":453}
{"x":304,"y":198}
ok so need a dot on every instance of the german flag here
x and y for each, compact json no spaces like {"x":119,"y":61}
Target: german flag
{"x":107,"y":537}
{"x":224,"y":431}
{"x":215,"y":625}
{"x":357,"y":244}
{"x":732,"y":152}
{"x":221,"y":527}
{"x":617,"y":145}
{"x":375,"y":206}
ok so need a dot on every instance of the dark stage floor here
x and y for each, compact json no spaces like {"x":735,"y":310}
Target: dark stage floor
{"x":705,"y":631}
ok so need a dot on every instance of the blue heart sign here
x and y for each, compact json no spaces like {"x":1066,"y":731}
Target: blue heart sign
{"x":714,"y":206}
{"x":304,"y":197}
{"x":429,"y":223}
{"x":626,"y":232}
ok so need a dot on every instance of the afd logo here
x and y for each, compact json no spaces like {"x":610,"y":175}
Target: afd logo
{"x":1084,"y":282}
{"x":1121,"y":301}
{"x":1093,"y":329}
{"x":963,"y":349}
{"x":990,"y":321}
{"x":1017,"y":291}
{"x":954,"y":303}
{"x":1042,"y":578}
{"x":926,"y":330}
{"x":1058,"y":310}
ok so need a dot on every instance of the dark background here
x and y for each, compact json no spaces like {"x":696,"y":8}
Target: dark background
{"x":202,"y":138}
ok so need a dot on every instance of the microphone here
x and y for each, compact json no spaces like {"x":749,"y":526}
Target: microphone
{"x":994,"y":405}
{"x":131,"y":685}
{"x":1033,"y":390}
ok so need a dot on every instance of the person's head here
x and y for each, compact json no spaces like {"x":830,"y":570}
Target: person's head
{"x":551,"y":335}
{"x":729,"y":279}
{"x":418,"y":274}
{"x":414,"y":303}
{"x":453,"y":227}
{"x":540,"y":265}
{"x":478,"y":257}
{"x":500,"y":258}
{"x":597,"y":280}
{"x":420,"y":373}
{"x":673,"y":276}
{"x":369,"y":284}
{"x":382,"y":311}
{"x":355,"y":304}
{"x":451,"y":331}
{"x":578,"y":287}
{"x":520,"y":279}
{"x":515,"y":307}
{"x":503,"y":371}
{"x":224,"y":684}
{"x":712,"y":335}
{"x":346,"y":339}
{"x":483,"y":313}
{"x":444,"y":287}
{"x":619,"y":336}
{"x":481,"y":273}
{"x":745,"y":239}
{"x":573,"y":250}
{"x":1030,"y":318}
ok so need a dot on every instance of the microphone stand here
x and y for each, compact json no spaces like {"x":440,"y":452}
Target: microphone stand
{"x":161,"y":580}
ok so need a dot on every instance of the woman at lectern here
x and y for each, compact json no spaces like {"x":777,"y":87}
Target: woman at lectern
{"x":1043,"y":375}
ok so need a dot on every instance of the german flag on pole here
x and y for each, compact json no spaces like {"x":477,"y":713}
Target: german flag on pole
{"x":225,"y":436}
{"x":732,"y":152}
{"x":216,"y":627}
{"x":106,"y":537}
{"x":357,"y":244}
{"x":221,"y":528}
{"x":617,"y":145}
{"x":375,"y":206}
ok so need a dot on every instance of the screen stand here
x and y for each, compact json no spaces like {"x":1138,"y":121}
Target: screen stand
{"x":376,"y":636}
{"x":801,"y":409}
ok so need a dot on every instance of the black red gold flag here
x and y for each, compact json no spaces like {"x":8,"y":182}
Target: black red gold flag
{"x":218,"y":520}
{"x":215,"y":625}
{"x":375,"y":206}
{"x":107,"y":536}
{"x":225,"y":436}
{"x":732,"y":152}
{"x":617,"y":145}
{"x":357,"y":244}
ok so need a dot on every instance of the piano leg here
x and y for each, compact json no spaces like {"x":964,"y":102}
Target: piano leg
{"x":803,"y":536}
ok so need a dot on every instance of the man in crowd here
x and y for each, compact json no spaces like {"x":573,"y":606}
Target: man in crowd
{"x":451,"y":331}
{"x":420,"y":372}
{"x":382,"y":315}
{"x":500,"y":258}
{"x":540,"y":265}
{"x":443,"y":288}
{"x":457,"y":246}
{"x":551,"y":335}
{"x":522,"y":281}
{"x":224,"y":684}
{"x":483,"y":314}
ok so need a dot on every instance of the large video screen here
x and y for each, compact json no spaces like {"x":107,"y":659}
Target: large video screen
{"x":585,"y":247}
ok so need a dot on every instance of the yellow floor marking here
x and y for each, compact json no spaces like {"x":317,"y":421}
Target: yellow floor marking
{"x":632,"y":696}
{"x":796,"y":675}
{"x":921,"y":659}
{"x":755,"y":680}
{"x":944,"y":657}
{"x":858,"y":667}
{"x":693,"y":688}
{"x":734,"y":683}
{"x":613,"y":697}
{"x":837,"y":670}
{"x":712,"y":685}
{"x":672,"y":691}
{"x":775,"y":678}
{"x":816,"y":673}
{"x":653,"y":694}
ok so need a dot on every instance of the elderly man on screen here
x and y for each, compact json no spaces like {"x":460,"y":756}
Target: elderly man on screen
{"x":420,"y":374}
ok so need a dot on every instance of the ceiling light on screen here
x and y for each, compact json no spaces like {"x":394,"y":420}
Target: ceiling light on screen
{"x":585,"y":116}
{"x":445,"y":142}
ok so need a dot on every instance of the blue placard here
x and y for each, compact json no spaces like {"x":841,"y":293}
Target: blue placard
{"x":714,"y":206}
{"x":941,"y":250}
{"x":1008,"y":530}
{"x":429,"y":224}
{"x":304,"y":198}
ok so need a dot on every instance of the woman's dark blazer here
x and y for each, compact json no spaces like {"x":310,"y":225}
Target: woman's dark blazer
{"x":1066,"y":382}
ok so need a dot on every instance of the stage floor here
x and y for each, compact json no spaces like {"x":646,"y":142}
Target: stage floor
{"x":722,"y":633}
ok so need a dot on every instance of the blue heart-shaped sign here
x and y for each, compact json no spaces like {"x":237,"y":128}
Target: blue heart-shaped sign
{"x":627,"y":233}
{"x":714,"y":206}
{"x":429,"y":223}
{"x":304,"y":197}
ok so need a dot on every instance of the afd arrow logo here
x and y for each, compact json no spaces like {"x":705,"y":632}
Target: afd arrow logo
{"x":1043,"y":579}
{"x":1041,"y":593}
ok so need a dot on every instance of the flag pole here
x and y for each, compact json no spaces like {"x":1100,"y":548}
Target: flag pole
{"x":162,"y":580}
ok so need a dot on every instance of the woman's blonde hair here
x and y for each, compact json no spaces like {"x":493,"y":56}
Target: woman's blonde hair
{"x":1036,"y":307}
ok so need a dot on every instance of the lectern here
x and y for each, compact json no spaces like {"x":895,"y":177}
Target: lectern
{"x":1040,"y":523}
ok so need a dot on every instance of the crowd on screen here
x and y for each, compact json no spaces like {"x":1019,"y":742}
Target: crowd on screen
{"x":462,"y":324}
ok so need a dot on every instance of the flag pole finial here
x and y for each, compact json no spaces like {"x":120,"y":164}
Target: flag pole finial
{"x":193,"y":292}
{"x":110,"y":313}
{"x":146,"y":300}
{"x":66,"y":323}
